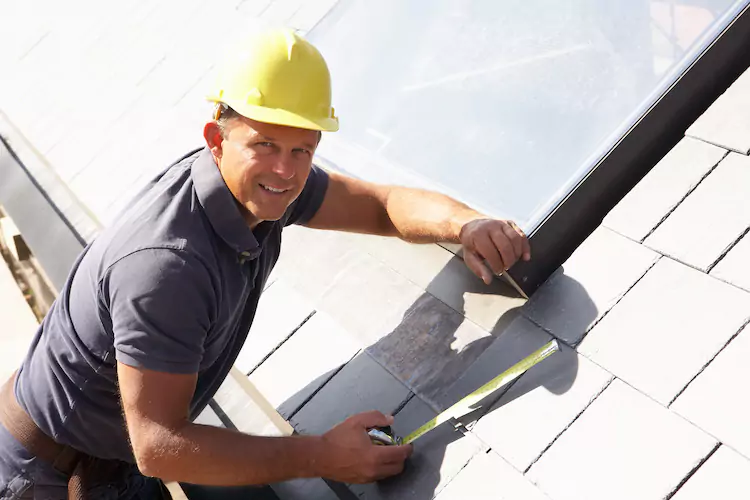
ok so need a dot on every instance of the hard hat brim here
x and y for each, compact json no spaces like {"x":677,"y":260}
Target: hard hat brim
{"x":278,"y":116}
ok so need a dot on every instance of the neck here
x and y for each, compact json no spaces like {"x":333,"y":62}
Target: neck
{"x":250,"y":218}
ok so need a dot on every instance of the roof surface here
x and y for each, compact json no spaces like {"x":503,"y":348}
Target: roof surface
{"x":646,"y":398}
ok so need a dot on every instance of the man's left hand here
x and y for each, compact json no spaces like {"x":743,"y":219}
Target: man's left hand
{"x":501,"y":243}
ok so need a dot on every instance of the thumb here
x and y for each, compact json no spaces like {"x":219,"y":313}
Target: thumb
{"x":370,"y":419}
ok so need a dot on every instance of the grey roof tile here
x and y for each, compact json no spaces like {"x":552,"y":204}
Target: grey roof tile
{"x":251,"y":8}
{"x":209,"y":417}
{"x":734,"y":268}
{"x":281,"y":310}
{"x":726,"y":122}
{"x":680,"y":171}
{"x":540,"y":406}
{"x":313,"y":261}
{"x":418,"y":263}
{"x":362,"y":385}
{"x":245,"y":413}
{"x":369,"y":299}
{"x":517,"y":341}
{"x":717,"y":399}
{"x":490,"y":306}
{"x":667,"y":328}
{"x":304,"y":489}
{"x":489,"y":477}
{"x":304,"y":363}
{"x":724,"y":475}
{"x":431,"y":347}
{"x":309,"y":14}
{"x":711,"y":219}
{"x":624,"y":446}
{"x":438,"y":456}
{"x":591,"y":281}
{"x":279,"y":12}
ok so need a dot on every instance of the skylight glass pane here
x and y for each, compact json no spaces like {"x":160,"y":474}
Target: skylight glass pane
{"x":506,"y":105}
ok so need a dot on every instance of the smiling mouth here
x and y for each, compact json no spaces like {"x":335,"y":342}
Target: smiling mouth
{"x":273,"y":189}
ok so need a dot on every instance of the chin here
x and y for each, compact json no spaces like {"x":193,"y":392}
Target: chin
{"x":268,"y":215}
{"x":268,"y":210}
{"x":273,"y":217}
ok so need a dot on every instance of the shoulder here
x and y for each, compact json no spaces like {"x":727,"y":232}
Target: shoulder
{"x":165,"y":219}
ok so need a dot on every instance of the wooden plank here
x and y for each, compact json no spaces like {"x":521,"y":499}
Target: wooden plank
{"x":176,"y":491}
{"x":247,"y":409}
{"x":267,"y":408}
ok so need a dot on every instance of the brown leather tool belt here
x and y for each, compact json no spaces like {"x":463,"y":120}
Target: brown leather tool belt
{"x":74,"y":464}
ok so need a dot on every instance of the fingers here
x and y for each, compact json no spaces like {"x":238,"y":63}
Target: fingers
{"x":500,"y":243}
{"x":393,"y":454}
{"x":525,"y":246}
{"x":355,"y":458}
{"x":388,"y":470}
{"x":370,"y":419}
{"x":474,"y":262}
{"x":378,"y":472}
{"x":486,"y":248}
{"x":506,"y":246}
{"x":515,"y":242}
{"x":391,"y":459}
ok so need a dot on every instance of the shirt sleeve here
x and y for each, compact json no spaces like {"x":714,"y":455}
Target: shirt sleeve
{"x":307,"y":204}
{"x":161,"y":303}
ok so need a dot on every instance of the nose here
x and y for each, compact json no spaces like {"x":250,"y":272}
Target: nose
{"x":284,"y":167}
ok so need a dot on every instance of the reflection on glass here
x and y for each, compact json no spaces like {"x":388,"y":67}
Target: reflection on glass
{"x":505,"y":105}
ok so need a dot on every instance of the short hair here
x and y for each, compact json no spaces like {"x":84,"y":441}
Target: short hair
{"x":223,"y":114}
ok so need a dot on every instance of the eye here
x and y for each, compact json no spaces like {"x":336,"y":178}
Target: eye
{"x":302,"y":150}
{"x":265,"y":148}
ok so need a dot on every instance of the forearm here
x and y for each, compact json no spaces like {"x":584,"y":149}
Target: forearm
{"x":420,"y":216}
{"x":207,"y":455}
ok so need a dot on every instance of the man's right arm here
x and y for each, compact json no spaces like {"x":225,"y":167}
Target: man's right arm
{"x":168,"y":446}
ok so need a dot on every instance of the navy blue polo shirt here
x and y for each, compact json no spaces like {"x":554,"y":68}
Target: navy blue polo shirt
{"x":171,"y":286}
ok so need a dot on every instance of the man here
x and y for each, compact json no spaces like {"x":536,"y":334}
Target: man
{"x":156,"y":309}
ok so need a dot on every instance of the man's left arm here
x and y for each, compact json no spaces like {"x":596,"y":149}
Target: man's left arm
{"x":420,"y":216}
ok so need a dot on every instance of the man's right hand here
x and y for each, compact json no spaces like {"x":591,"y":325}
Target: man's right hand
{"x":353,"y":458}
{"x":166,"y":445}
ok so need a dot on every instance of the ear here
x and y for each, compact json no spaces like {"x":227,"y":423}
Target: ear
{"x":214,"y":139}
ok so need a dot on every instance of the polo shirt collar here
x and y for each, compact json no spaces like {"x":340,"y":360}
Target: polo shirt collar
{"x":221,"y":208}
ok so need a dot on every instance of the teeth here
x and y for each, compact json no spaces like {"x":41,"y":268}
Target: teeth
{"x":273,"y":190}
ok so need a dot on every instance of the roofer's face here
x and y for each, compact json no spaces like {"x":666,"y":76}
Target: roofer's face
{"x":266,"y":166}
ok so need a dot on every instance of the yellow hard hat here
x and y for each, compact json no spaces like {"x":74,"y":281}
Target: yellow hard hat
{"x":278,"y":77}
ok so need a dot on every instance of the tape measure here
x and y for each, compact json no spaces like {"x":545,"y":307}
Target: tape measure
{"x":384,"y":436}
